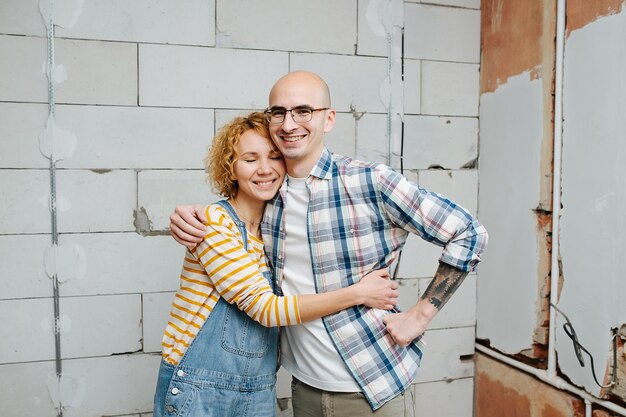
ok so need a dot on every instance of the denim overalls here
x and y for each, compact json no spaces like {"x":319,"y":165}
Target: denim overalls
{"x":228,"y":370}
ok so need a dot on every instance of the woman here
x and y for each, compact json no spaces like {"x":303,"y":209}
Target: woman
{"x":220,"y":344}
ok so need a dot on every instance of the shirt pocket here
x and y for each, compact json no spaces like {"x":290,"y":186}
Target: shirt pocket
{"x":362,"y":245}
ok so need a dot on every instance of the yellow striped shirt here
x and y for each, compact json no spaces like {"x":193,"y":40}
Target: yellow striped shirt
{"x":220,"y":267}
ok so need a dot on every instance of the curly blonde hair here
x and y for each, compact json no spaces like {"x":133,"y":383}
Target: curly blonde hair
{"x":220,"y":160}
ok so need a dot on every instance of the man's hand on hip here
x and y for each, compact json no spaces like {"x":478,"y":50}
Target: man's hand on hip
{"x":406,"y":326}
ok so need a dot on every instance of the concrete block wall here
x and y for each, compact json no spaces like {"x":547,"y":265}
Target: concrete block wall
{"x":142,"y":87}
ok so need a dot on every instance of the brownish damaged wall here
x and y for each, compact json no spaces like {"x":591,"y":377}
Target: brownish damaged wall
{"x":582,"y":12}
{"x":505,"y":391}
{"x":518,"y":37}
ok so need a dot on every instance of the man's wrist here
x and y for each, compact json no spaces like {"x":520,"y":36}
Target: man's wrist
{"x":423,"y":311}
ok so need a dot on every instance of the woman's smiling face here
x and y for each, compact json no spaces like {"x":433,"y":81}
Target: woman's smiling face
{"x":259,"y":168}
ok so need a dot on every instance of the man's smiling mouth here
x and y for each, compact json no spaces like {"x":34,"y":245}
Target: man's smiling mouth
{"x":293,"y":138}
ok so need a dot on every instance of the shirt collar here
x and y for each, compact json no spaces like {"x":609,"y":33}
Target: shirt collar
{"x":323,"y":168}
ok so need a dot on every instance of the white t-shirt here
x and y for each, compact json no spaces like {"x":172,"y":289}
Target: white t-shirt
{"x":306,"y":349}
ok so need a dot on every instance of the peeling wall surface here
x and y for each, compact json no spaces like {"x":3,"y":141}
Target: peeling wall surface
{"x":500,"y":391}
{"x":510,"y":140}
{"x":103,"y":127}
{"x":511,"y":30}
{"x":515,"y":171}
{"x":581,"y":12}
{"x":593,"y":225}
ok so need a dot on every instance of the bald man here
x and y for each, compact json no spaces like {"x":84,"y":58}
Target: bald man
{"x":334,"y":220}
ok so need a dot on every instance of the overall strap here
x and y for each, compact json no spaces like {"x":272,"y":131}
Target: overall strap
{"x":241,"y":225}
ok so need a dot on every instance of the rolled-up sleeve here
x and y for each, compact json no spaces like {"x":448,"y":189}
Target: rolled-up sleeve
{"x":434,"y":218}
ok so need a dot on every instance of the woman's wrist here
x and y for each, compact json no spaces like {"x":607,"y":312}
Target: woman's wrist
{"x":354,"y":295}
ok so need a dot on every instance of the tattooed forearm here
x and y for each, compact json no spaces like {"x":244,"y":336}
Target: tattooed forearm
{"x":446,"y":281}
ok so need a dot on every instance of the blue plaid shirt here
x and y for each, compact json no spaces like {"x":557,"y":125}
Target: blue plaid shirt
{"x":359,"y":217}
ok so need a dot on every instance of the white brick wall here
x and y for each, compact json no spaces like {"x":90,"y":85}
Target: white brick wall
{"x":25,"y":198}
{"x":450,"y":88}
{"x":447,"y":142}
{"x":149,"y":21}
{"x":98,"y":72}
{"x":96,"y":202}
{"x":128,"y":381}
{"x":20,"y":124}
{"x":300,"y":25}
{"x":442,"y":33}
{"x":24,"y":276}
{"x":196,"y":77}
{"x":412,"y":86}
{"x":153,"y":21}
{"x":123,"y":263}
{"x":461,"y":186}
{"x":147,"y":84}
{"x":136,"y":137}
{"x":30,"y":324}
{"x":160,"y":191}
{"x":87,"y":386}
{"x":442,"y":356}
{"x":342,"y":139}
{"x":21,"y":17}
{"x":372,"y":39}
{"x":22,"y":65}
{"x":371,"y":137}
{"x":25,"y":388}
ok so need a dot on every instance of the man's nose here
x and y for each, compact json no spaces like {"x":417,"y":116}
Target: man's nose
{"x":289,"y":124}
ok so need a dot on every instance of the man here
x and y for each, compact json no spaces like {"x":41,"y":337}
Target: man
{"x":334,"y":220}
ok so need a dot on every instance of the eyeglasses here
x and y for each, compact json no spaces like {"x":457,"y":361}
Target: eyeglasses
{"x":302,"y":114}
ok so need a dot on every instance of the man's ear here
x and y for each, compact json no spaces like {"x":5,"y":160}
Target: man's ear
{"x":330,"y":120}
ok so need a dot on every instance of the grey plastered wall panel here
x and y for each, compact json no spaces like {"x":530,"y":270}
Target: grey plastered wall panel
{"x":593,"y":225}
{"x":510,"y":137}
